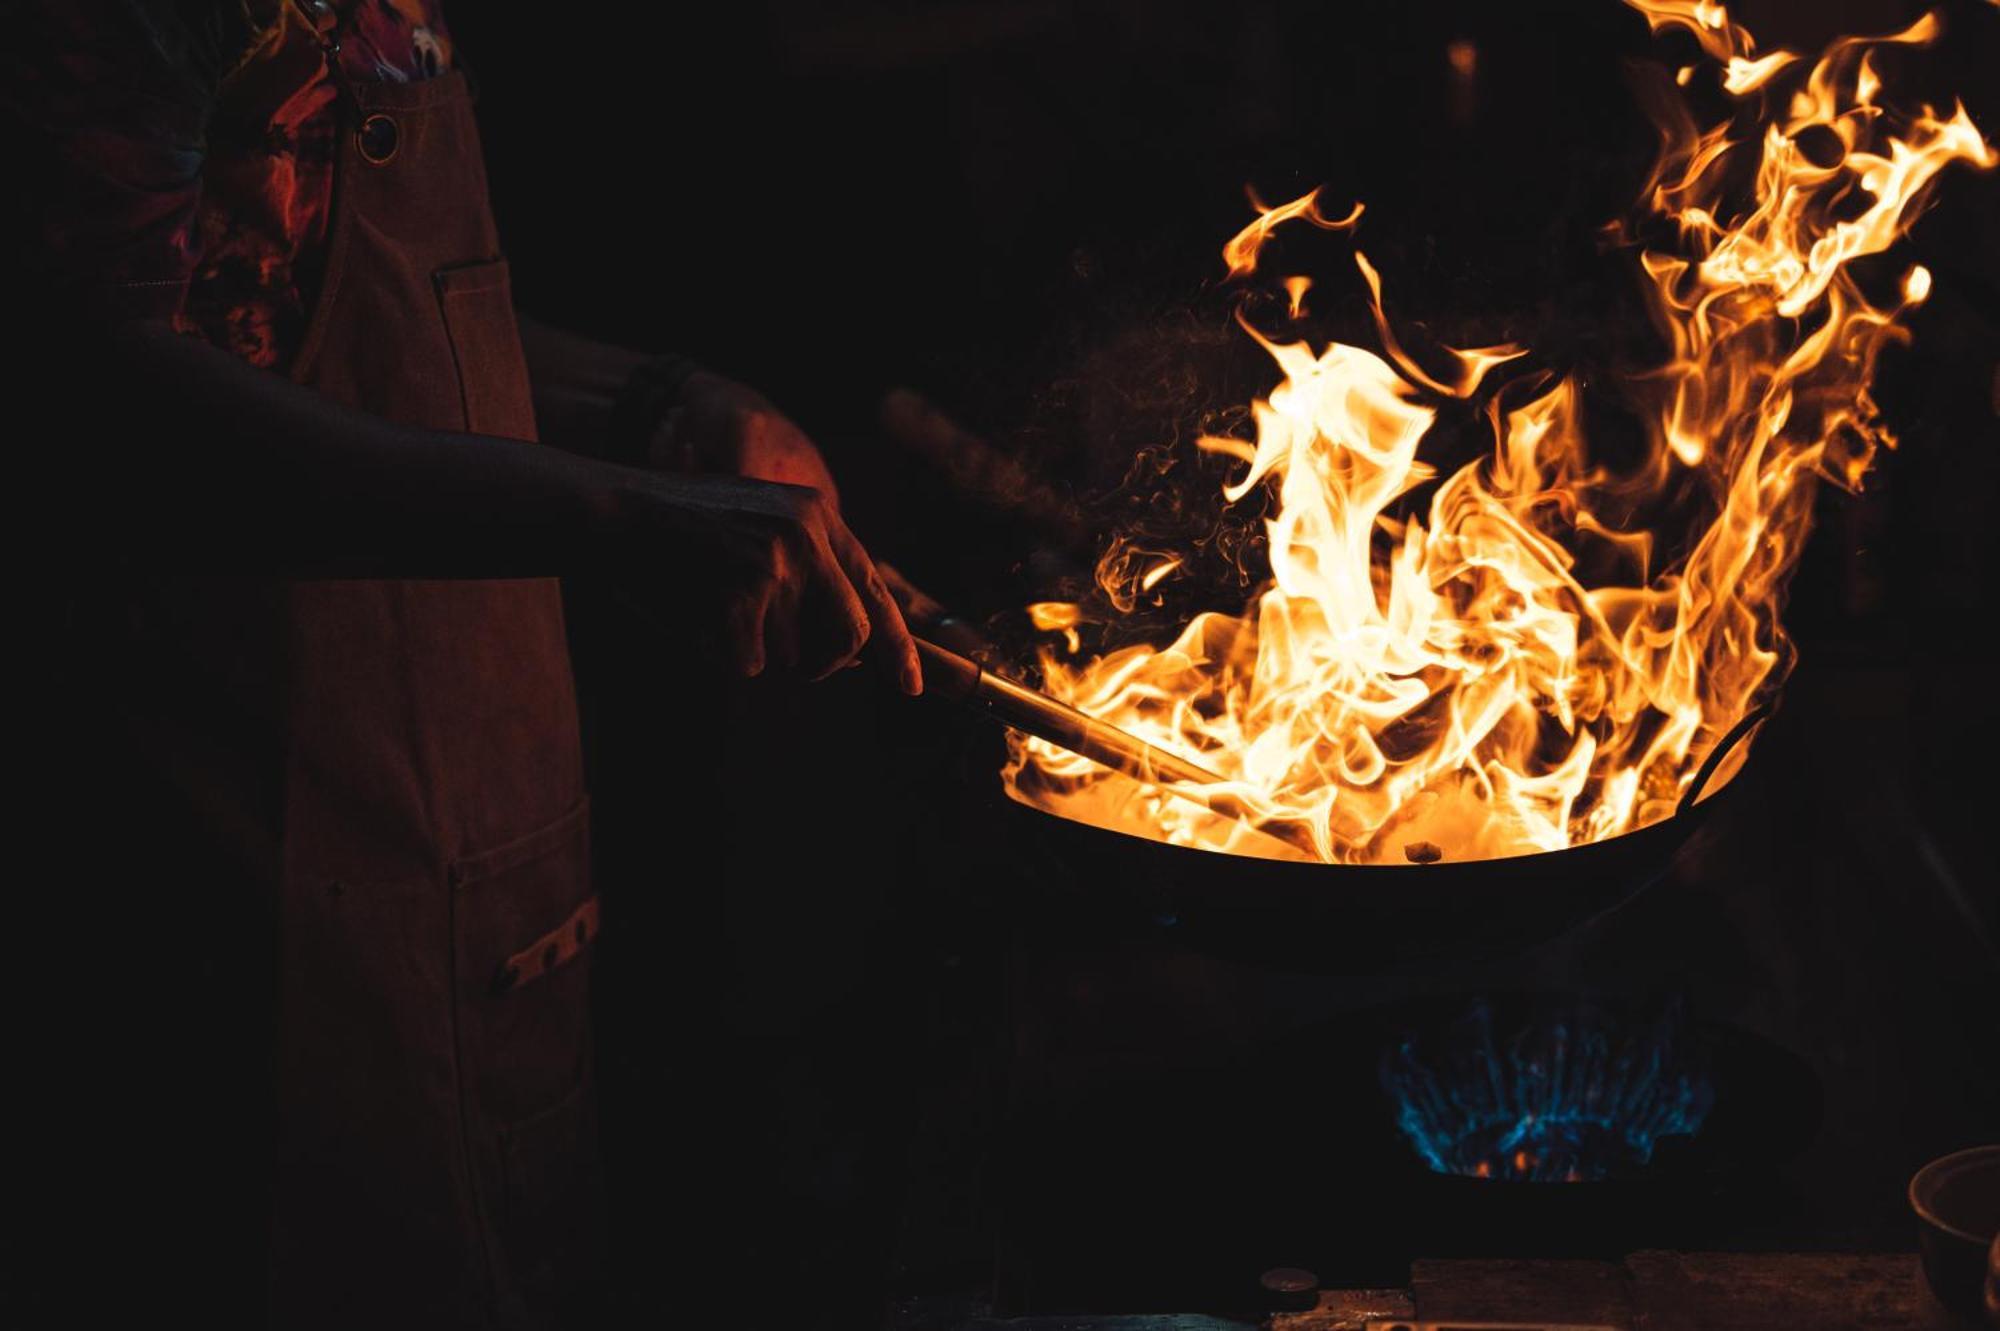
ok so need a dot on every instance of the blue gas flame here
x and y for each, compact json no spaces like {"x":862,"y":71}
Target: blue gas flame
{"x":1571,"y":1095}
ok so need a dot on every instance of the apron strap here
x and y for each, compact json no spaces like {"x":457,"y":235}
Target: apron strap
{"x":323,"y":19}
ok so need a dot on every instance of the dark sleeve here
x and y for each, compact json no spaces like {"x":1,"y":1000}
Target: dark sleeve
{"x":110,"y":102}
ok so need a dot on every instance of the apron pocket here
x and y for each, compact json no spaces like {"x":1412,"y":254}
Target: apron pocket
{"x":524,"y":920}
{"x":477,"y":302}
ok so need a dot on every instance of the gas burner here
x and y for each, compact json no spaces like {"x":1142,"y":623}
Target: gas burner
{"x":1565,"y":1090}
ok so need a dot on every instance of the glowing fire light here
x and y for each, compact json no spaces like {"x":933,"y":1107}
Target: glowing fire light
{"x":1242,"y":250}
{"x":1545,"y":654}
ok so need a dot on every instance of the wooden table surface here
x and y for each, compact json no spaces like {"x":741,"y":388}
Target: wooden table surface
{"x":1650,"y":1291}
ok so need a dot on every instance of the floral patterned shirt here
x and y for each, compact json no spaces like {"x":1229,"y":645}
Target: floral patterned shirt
{"x":190,"y":149}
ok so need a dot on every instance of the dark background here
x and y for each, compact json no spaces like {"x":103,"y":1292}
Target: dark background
{"x":824,"y":998}
{"x":826,"y":1007}
{"x":856,"y":1043}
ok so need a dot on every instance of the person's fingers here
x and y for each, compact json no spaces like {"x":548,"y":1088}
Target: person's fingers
{"x":892,"y":644}
{"x":843,"y":620}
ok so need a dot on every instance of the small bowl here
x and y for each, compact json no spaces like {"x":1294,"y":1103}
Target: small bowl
{"x":1957,"y":1201}
{"x":1993,"y":1282}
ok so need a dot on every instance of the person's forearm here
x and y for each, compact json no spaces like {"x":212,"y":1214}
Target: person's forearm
{"x":587,"y":398}
{"x":217,"y":465}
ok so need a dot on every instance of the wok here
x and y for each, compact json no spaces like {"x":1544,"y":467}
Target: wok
{"x":1348,"y":919}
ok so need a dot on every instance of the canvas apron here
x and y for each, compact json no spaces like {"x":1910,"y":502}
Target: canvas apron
{"x":435,"y":1161}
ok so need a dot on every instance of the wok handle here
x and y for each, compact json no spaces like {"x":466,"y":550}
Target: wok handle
{"x":1739,"y":732}
{"x":963,"y":681}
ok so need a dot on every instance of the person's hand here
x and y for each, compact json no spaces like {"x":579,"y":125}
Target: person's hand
{"x":769,"y":571}
{"x":720,"y":425}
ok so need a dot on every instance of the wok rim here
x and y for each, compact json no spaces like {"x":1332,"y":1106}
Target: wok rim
{"x":1676,"y":828}
{"x":1669,"y":833}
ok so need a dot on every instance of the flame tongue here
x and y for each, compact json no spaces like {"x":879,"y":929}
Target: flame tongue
{"x":1524,"y":667}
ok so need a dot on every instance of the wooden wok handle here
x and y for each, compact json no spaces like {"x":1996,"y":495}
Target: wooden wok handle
{"x":962,"y":680}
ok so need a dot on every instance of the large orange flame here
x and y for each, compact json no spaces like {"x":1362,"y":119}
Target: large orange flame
{"x":1455,"y":681}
